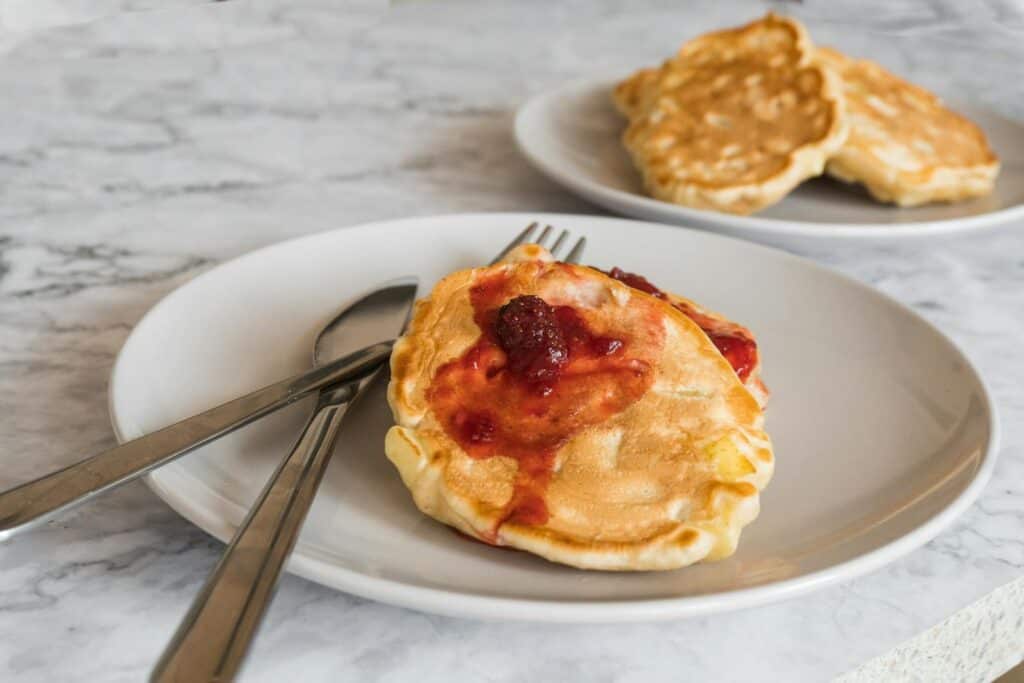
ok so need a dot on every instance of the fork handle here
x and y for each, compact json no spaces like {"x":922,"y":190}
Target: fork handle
{"x":213,"y":638}
{"x":34,"y":501}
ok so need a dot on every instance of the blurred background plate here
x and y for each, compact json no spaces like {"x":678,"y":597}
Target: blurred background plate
{"x":572,"y":134}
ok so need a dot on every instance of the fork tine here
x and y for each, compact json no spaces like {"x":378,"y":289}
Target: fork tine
{"x":521,"y":238}
{"x":562,"y":236}
{"x":577,"y":251}
{"x":545,"y":233}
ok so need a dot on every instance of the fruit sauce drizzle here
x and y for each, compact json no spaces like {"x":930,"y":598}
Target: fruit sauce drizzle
{"x":739,"y":349}
{"x":537,"y":375}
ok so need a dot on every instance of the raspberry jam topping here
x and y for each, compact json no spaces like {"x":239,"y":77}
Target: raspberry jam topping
{"x":737,"y":348}
{"x":741,"y":352}
{"x":635,"y":281}
{"x":537,"y":375}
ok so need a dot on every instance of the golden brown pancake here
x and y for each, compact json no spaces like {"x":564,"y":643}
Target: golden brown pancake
{"x":735,"y":120}
{"x":642,"y":451}
{"x":904,"y":145}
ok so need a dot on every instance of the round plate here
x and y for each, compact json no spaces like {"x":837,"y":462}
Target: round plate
{"x":883,"y":430}
{"x":573,"y":133}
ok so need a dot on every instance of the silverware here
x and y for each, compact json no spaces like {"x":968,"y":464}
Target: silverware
{"x":33,"y":502}
{"x":214,"y":637}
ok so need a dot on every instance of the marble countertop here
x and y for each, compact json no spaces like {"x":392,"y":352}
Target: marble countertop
{"x":144,"y":146}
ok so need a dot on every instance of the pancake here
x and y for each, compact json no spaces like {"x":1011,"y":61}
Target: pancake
{"x":904,"y":145}
{"x":628,"y":444}
{"x":735,"y":120}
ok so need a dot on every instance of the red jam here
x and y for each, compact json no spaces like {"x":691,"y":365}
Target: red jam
{"x":737,"y":348}
{"x":635,"y":281}
{"x":741,"y":352}
{"x":537,"y":375}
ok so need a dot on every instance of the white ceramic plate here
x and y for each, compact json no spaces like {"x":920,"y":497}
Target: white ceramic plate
{"x":572,"y":135}
{"x":883,"y":430}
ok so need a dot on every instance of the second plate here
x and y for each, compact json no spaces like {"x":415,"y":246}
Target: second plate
{"x":572,"y":135}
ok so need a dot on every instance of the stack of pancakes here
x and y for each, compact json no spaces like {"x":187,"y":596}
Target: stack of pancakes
{"x":738,"y":118}
{"x":648,"y":453}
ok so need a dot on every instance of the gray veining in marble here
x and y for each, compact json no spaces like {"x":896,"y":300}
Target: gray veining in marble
{"x":141,"y":148}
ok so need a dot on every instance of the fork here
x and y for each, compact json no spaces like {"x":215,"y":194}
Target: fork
{"x":526,"y":237}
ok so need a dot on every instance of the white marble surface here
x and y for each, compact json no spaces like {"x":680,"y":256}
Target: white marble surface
{"x":143,"y":147}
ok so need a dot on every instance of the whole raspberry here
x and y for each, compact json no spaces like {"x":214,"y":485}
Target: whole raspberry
{"x":529,"y":333}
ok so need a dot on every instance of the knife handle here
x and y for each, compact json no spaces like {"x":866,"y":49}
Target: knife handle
{"x":34,"y":501}
{"x":213,"y":638}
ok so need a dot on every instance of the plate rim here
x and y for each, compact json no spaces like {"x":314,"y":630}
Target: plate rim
{"x":639,"y":206}
{"x":485,"y":607}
